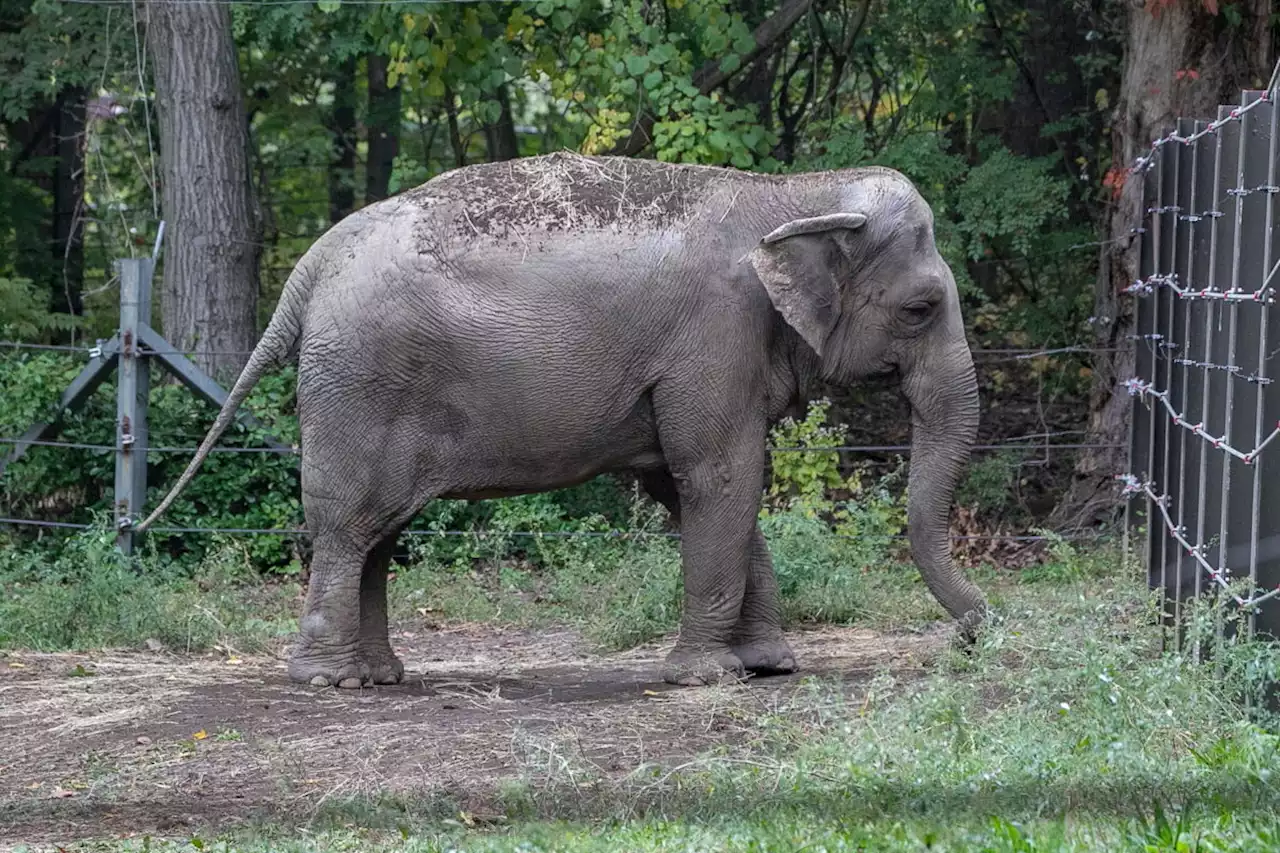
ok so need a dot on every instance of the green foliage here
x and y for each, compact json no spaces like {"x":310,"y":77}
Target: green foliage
{"x":989,"y":483}
{"x":233,"y":490}
{"x":800,"y":468}
{"x":90,"y":595}
{"x":24,"y":312}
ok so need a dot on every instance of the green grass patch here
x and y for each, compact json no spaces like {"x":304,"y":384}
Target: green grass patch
{"x":88,"y":595}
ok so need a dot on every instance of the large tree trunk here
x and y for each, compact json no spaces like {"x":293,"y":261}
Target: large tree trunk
{"x":212,"y":246}
{"x":384,"y":130}
{"x":341,"y":124}
{"x":1161,"y":42}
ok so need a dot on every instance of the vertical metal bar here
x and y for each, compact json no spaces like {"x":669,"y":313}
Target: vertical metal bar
{"x":1200,"y":325}
{"x":131,"y":398}
{"x":1180,"y":325}
{"x":1233,"y":322}
{"x":1215,"y":347}
{"x":1141,"y":413}
{"x":1152,"y":342}
{"x":1164,"y":246}
{"x":1261,"y":426}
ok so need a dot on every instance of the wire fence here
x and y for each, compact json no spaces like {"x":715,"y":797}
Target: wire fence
{"x":1034,"y":443}
{"x":1203,"y":410}
{"x":1015,"y":353}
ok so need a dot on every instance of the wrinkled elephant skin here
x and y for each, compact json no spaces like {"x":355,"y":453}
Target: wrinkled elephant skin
{"x":524,"y":326}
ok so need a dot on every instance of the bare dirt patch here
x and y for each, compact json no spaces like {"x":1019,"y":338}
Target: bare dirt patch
{"x":128,"y":743}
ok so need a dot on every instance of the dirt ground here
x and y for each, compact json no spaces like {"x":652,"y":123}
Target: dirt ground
{"x":129,"y":743}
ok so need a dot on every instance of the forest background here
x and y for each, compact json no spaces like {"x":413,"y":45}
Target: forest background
{"x":264,"y":122}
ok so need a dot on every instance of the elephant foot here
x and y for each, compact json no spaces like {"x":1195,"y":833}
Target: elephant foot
{"x":348,"y":672}
{"x":382,"y":664}
{"x":700,"y":667}
{"x":767,"y":657}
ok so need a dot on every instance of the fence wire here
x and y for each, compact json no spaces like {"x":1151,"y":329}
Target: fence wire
{"x":624,"y":535}
{"x":1021,"y":443}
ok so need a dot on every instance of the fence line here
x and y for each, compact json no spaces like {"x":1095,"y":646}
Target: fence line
{"x":1026,"y":444}
{"x":1020,"y":353}
{"x":529,"y":534}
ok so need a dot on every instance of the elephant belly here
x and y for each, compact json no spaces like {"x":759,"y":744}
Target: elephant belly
{"x":502,"y":453}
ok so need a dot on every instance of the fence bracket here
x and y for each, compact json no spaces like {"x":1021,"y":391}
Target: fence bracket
{"x":130,"y":353}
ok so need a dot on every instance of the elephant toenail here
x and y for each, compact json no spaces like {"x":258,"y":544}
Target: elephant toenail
{"x":319,"y":681}
{"x":350,"y":683}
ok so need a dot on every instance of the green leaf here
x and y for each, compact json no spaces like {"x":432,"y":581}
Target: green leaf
{"x":731,"y":63}
{"x":513,"y":66}
{"x":652,"y":79}
{"x":328,"y":6}
{"x":637,"y":64}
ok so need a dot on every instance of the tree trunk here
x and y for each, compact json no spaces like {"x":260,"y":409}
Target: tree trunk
{"x":500,"y":137}
{"x":455,"y":134}
{"x":212,"y":248}
{"x":384,"y":130}
{"x":341,"y":124}
{"x":68,"y":201}
{"x":49,"y":144}
{"x":1175,"y":37}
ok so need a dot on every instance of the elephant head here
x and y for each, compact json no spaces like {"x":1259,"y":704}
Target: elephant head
{"x":867,"y":290}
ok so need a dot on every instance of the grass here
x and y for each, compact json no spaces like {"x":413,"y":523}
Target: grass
{"x":1067,"y":728}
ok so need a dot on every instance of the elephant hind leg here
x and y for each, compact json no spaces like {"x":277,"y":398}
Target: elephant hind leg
{"x":356,"y":519}
{"x":375,"y":652}
{"x":328,"y":649}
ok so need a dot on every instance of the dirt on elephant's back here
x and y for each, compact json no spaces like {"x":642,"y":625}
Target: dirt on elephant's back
{"x":136,"y":743}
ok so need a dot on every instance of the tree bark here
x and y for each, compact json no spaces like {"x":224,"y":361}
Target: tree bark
{"x":212,"y":247}
{"x":1172,"y":38}
{"x":384,"y":130}
{"x":500,"y":137}
{"x":341,"y":124}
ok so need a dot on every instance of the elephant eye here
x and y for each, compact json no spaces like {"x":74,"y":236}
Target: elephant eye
{"x":917,"y":312}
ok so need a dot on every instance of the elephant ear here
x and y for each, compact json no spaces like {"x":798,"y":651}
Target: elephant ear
{"x":793,"y":264}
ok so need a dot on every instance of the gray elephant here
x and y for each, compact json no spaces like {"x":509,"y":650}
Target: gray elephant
{"x":523,"y":326}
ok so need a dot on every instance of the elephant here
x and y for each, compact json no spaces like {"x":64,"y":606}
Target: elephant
{"x":522,"y":326}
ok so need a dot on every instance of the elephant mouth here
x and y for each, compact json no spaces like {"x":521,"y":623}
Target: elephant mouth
{"x":882,"y":378}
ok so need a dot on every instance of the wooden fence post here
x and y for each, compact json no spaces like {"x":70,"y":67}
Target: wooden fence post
{"x":134,"y":386}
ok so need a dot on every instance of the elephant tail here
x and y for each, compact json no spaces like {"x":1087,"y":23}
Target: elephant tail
{"x":279,"y":343}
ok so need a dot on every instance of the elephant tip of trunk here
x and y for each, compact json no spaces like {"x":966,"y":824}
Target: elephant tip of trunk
{"x":969,"y":624}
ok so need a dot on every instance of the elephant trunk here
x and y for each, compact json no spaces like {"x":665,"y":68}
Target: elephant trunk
{"x":943,"y":393}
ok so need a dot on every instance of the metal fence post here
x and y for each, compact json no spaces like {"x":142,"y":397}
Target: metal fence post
{"x":134,"y":386}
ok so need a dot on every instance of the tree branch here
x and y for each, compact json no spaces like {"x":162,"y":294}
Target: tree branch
{"x":710,"y":76}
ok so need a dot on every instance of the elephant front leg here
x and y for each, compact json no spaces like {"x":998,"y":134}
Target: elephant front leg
{"x":719,"y":499}
{"x":757,"y":637}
